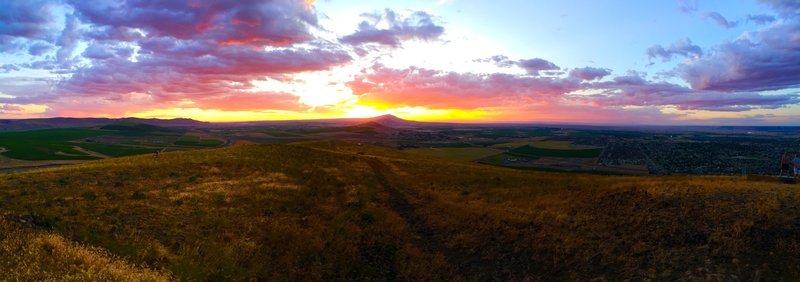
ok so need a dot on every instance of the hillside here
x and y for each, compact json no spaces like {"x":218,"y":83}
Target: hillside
{"x":331,"y":210}
{"x":137,"y":127}
{"x":50,"y":123}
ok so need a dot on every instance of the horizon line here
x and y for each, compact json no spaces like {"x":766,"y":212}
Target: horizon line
{"x":466,"y":122}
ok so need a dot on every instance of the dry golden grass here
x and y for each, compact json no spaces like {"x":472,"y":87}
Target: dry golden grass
{"x":339,"y":211}
{"x":31,"y":255}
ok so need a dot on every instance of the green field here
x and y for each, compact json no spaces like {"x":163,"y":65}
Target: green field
{"x":463,"y":154}
{"x":514,"y":132}
{"x":530,"y":151}
{"x":59,"y":144}
{"x":46,"y":144}
{"x":544,"y":144}
{"x":196,"y":141}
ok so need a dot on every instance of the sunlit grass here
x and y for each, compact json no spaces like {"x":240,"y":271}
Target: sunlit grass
{"x":322,"y":211}
{"x":32,"y":255}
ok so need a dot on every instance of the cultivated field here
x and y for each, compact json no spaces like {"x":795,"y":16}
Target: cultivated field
{"x":53,"y":146}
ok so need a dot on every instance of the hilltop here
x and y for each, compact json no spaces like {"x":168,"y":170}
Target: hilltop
{"x":394,"y":122}
{"x":333,"y":210}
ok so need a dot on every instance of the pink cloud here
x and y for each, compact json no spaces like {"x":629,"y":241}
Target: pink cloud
{"x":549,"y":97}
{"x":418,"y":25}
{"x":11,"y":108}
{"x":207,"y":52}
{"x":437,"y":89}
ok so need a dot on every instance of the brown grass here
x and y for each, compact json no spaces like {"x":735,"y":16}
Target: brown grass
{"x":31,"y":255}
{"x":339,"y":211}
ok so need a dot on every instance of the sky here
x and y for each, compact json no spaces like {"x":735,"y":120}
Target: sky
{"x":684,"y":62}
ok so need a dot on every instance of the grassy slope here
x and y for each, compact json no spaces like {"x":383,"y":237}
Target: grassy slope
{"x":116,"y":151}
{"x":338,"y":211}
{"x":35,"y":255}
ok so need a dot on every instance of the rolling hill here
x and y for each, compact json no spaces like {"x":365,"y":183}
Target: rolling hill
{"x":51,"y":123}
{"x":333,"y":210}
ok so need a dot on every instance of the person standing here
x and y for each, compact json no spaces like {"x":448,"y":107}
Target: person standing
{"x":796,"y":162}
{"x":786,"y":165}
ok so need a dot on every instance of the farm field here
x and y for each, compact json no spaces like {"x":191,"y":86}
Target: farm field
{"x":544,"y":144}
{"x":81,"y":144}
{"x":46,"y":144}
{"x":530,"y":151}
{"x":463,"y":154}
{"x":333,"y":210}
{"x":197,"y":141}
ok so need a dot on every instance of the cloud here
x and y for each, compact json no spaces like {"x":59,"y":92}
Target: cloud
{"x":252,"y":101}
{"x":69,"y":39}
{"x":10,"y":108}
{"x":498,"y":60}
{"x":419,"y":87}
{"x":635,"y":91}
{"x":785,"y":7}
{"x":8,"y":68}
{"x":533,"y":66}
{"x":146,"y":53}
{"x":768,"y":59}
{"x":171,"y":71}
{"x":687,"y":6}
{"x":416,"y":26}
{"x":589,"y":73}
{"x":278,"y":22}
{"x":683,"y":47}
{"x":761,"y":19}
{"x":536,"y":65}
{"x":439,"y":89}
{"x":38,"y":48}
{"x":721,"y":20}
{"x":32,"y":19}
{"x":98,"y":51}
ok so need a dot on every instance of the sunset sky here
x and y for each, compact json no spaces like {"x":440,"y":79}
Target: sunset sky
{"x":573,"y":61}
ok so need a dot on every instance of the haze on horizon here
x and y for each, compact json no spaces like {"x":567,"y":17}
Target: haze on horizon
{"x":599,"y":62}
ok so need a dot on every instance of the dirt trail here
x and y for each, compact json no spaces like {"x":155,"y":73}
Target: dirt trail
{"x":26,"y":168}
{"x":507,"y":262}
{"x":424,"y":236}
{"x":91,"y":153}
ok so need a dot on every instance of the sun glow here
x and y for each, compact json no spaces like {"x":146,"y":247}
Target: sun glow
{"x":417,"y":113}
{"x":227,"y":116}
{"x":363,"y":112}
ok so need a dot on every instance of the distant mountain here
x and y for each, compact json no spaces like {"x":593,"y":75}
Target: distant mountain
{"x":45,"y":123}
{"x":393,"y":121}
